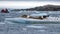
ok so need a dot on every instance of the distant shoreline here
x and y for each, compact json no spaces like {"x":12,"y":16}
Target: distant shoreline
{"x":41,"y":8}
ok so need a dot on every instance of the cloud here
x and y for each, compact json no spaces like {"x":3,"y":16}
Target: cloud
{"x":22,"y":4}
{"x":29,"y":0}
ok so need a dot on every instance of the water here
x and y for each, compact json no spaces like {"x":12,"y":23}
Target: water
{"x":13,"y":14}
{"x":28,"y":28}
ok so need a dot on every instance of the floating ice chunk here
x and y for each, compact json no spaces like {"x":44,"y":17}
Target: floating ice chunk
{"x":42,"y":30}
{"x":24,"y":29}
{"x":32,"y":26}
{"x":2,"y":23}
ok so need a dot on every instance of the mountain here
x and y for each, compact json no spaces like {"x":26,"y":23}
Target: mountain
{"x":42,"y":8}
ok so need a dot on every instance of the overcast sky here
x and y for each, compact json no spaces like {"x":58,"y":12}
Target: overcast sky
{"x":26,"y":4}
{"x":29,"y":0}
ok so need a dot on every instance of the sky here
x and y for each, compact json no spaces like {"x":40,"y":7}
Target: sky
{"x":26,"y":4}
{"x":29,"y":0}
